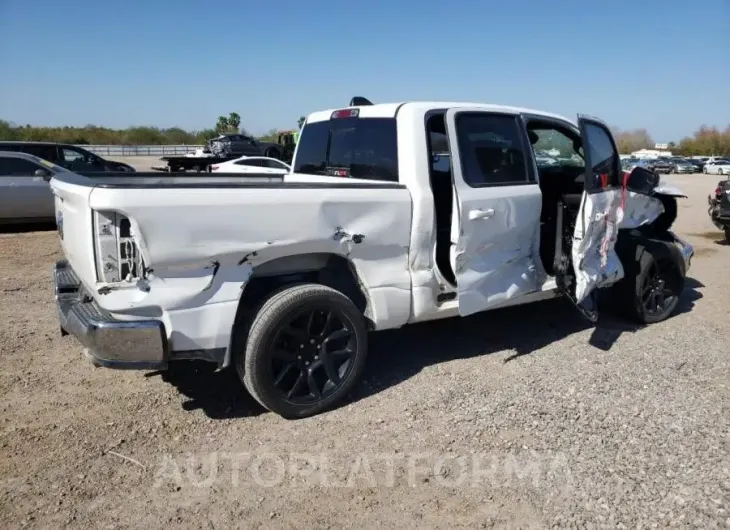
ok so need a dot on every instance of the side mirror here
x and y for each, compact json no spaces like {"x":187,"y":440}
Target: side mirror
{"x":43,"y":173}
{"x":642,"y":180}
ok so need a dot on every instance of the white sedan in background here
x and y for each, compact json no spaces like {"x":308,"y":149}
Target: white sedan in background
{"x":252,"y":164}
{"x":717,"y":167}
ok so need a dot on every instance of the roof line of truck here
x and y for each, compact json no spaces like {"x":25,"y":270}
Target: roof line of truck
{"x":391,"y":110}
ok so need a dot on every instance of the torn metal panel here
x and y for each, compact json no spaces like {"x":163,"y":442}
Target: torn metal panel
{"x":666,"y":189}
{"x":602,"y":214}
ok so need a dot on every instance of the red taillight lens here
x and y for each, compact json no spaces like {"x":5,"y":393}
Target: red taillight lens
{"x":718,"y":191}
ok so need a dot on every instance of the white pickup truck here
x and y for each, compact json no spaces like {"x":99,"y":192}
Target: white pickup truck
{"x":392,"y":214}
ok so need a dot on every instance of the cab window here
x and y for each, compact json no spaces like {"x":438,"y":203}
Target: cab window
{"x":362,"y":148}
{"x":554,"y":147}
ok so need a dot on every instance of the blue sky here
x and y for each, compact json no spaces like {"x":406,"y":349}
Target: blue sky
{"x":663,"y":65}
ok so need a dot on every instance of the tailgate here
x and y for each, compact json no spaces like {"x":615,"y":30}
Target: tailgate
{"x":73,"y":217}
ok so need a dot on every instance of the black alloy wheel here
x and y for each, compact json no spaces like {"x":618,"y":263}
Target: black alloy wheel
{"x":306,"y":349}
{"x":658,"y":299}
{"x":312,"y":354}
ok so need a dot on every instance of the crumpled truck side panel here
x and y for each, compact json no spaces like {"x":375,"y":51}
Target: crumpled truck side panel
{"x":201,"y":246}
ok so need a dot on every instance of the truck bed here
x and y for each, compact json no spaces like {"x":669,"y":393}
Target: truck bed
{"x":153,"y":180}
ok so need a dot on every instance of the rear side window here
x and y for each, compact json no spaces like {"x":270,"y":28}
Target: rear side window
{"x":9,"y":147}
{"x":362,"y":148}
{"x":46,"y":152}
{"x":255,"y":163}
{"x":11,"y":166}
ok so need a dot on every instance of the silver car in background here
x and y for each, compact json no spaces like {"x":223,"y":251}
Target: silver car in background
{"x":25,"y":195}
{"x":682,"y":165}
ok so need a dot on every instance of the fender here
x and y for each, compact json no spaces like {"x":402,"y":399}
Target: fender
{"x":666,"y":189}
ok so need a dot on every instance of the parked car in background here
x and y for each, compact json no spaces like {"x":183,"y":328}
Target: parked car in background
{"x":72,"y":157}
{"x":252,"y":164}
{"x":227,"y":145}
{"x":25,"y":195}
{"x":660,"y":165}
{"x":699,"y":164}
{"x":717,"y":167}
{"x":682,"y":165}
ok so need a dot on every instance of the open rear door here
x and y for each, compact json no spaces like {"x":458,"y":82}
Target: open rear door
{"x":594,"y":260}
{"x":496,"y":222}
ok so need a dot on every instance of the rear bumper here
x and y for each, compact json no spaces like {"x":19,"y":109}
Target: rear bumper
{"x":718,"y":211}
{"x":112,"y":343}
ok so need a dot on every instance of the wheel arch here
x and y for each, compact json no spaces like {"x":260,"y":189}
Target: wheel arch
{"x":632,"y":244}
{"x":333,"y":270}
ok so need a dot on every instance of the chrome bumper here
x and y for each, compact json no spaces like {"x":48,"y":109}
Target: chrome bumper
{"x":112,"y":343}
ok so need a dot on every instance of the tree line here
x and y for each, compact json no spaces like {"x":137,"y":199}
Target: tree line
{"x":704,"y":141}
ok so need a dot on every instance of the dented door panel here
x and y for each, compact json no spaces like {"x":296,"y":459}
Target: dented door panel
{"x":495,"y":231}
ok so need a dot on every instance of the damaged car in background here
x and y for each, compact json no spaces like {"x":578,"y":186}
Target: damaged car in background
{"x":719,"y":207}
{"x":392,"y":214}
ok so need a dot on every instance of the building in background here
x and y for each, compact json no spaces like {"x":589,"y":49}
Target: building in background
{"x":659,"y":151}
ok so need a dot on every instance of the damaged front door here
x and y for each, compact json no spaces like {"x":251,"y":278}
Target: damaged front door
{"x":595,"y":262}
{"x":497,"y":215}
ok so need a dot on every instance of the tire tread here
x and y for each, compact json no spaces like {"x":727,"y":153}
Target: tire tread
{"x":279,"y":303}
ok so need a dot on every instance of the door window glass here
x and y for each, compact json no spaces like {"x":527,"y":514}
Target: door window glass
{"x":492,"y":149}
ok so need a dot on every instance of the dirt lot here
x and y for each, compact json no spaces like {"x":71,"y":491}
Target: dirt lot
{"x":519,"y":418}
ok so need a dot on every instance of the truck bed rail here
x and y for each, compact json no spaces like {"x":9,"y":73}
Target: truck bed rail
{"x":154,"y":180}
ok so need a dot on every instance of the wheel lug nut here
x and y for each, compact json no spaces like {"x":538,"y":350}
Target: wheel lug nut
{"x":316,"y":357}
{"x":306,"y":363}
{"x":311,"y":341}
{"x":299,"y":357}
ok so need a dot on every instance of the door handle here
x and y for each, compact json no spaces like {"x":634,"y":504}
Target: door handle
{"x":481,"y":214}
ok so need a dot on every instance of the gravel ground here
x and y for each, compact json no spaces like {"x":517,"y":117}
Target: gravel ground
{"x":522,"y":418}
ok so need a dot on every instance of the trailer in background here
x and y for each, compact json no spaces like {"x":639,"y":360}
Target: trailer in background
{"x":199,"y":164}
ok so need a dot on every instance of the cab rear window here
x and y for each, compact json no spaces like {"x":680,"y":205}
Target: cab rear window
{"x":362,"y":148}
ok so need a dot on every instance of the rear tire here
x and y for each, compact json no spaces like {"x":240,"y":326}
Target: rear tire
{"x":652,"y":288}
{"x":306,"y":349}
{"x":727,"y":234}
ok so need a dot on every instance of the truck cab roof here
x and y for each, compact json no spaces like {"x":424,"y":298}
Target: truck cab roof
{"x":391,"y":110}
